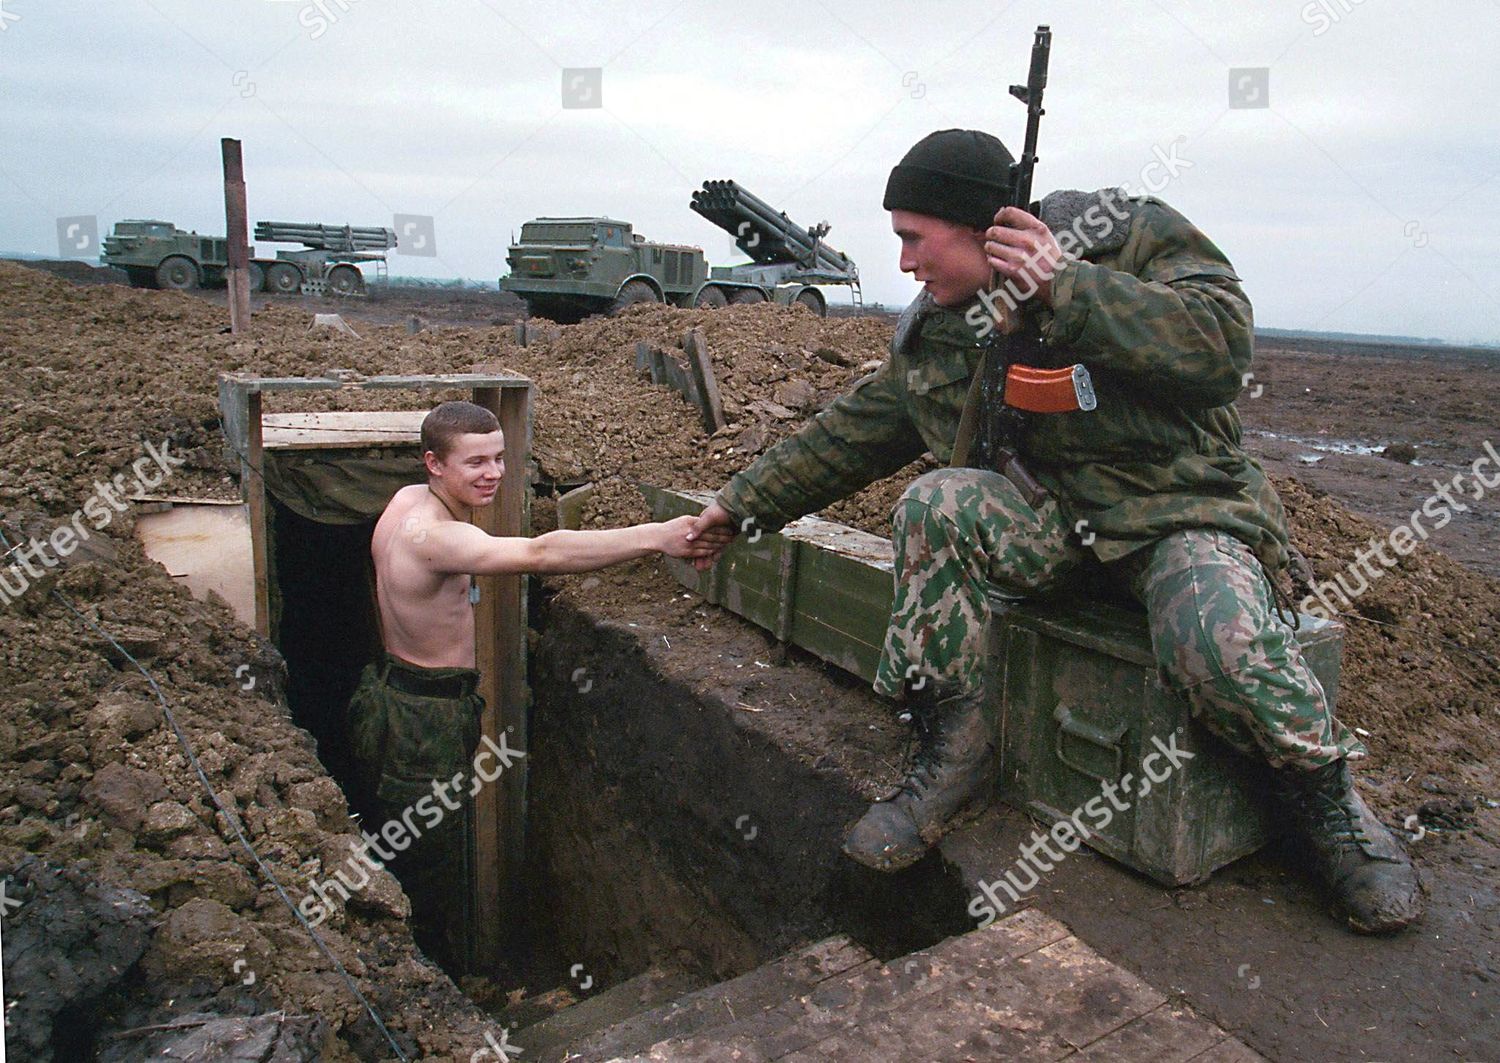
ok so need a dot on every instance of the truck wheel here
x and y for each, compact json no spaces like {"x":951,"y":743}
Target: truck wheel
{"x":283,"y":278}
{"x":813,"y":301}
{"x":345,"y":280}
{"x":257,"y":277}
{"x":745,"y":296}
{"x":178,"y":273}
{"x":634,"y":292}
{"x":711,"y":299}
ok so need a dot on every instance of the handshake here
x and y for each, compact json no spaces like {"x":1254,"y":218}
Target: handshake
{"x":704,"y":537}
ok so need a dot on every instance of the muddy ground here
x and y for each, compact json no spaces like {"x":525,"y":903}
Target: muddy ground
{"x":93,"y":784}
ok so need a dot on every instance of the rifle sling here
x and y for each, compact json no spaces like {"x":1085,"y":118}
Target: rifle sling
{"x":968,"y":420}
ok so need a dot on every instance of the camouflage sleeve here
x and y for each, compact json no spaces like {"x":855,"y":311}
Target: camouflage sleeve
{"x":859,"y":438}
{"x":1181,"y":324}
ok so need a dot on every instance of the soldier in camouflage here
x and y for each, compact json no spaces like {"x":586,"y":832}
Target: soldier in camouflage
{"x":1151,"y":489}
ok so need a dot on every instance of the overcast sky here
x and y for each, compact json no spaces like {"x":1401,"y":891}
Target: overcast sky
{"x":1353,"y":187}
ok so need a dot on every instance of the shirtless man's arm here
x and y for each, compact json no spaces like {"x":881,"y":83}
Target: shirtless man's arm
{"x":452,"y":546}
{"x":424,"y":559}
{"x":425,"y":549}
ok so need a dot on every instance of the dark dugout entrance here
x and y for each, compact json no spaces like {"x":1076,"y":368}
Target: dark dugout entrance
{"x":322,"y":598}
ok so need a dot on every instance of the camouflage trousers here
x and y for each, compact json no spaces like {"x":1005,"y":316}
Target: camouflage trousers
{"x":1215,"y":632}
{"x":410,"y":727}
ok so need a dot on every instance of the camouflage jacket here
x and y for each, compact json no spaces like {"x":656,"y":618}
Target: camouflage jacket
{"x":1154,"y":310}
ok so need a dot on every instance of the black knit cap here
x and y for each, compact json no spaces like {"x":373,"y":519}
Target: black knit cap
{"x":962,"y":175}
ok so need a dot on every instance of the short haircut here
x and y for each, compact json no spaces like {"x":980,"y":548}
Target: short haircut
{"x":442,"y":427}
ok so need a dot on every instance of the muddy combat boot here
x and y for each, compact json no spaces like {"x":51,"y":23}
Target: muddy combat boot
{"x":1375,"y":887}
{"x":950,"y":779}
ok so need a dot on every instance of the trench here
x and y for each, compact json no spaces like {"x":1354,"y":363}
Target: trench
{"x":664,"y":834}
{"x":667,"y":833}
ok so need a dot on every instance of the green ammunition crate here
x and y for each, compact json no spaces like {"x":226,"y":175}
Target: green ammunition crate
{"x":1079,"y":703}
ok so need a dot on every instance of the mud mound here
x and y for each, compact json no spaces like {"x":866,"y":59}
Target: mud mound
{"x":1421,"y":672}
{"x":75,"y":270}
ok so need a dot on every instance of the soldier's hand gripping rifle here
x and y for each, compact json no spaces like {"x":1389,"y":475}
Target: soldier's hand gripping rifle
{"x":1009,"y":384}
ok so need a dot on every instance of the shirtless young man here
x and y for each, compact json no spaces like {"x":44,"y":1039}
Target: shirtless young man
{"x":414,"y":719}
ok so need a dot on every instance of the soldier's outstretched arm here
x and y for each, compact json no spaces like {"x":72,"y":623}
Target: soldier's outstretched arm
{"x":1184,"y":327}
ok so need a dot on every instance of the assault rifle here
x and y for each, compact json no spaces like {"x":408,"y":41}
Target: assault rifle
{"x":1010,"y":386}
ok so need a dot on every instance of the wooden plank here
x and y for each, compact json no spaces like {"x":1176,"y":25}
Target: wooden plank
{"x":1229,"y":1050}
{"x":709,"y":402}
{"x":233,"y":400}
{"x":866,"y":994}
{"x":753,"y":993}
{"x":1023,"y":988}
{"x":249,"y":382}
{"x":339,"y":429}
{"x":1040,"y":1006}
{"x":500,"y":655}
{"x":253,"y":483}
{"x":547,"y":1041}
{"x":677,"y":376}
{"x":490,"y":659}
{"x":1169,"y":1034}
{"x":168,"y":501}
{"x":570,"y":506}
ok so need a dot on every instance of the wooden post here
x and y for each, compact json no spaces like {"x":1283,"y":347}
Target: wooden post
{"x":500,"y":655}
{"x":696,"y":347}
{"x":235,"y":215}
{"x":253,"y":480}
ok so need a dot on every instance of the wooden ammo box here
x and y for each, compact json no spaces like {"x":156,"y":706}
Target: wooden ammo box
{"x":1075,"y":688}
{"x":1079,"y":702}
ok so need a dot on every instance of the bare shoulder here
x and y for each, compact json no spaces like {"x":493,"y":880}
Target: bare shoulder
{"x":403,"y":511}
{"x":409,"y":498}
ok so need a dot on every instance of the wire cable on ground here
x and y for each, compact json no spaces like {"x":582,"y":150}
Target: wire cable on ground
{"x":232,"y":820}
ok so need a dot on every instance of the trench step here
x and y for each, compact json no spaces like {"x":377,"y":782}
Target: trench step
{"x":1023,"y":988}
{"x":698,"y":1013}
{"x":545,"y":1041}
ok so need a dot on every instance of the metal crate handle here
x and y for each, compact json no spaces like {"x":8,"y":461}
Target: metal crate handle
{"x":1110,"y":740}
